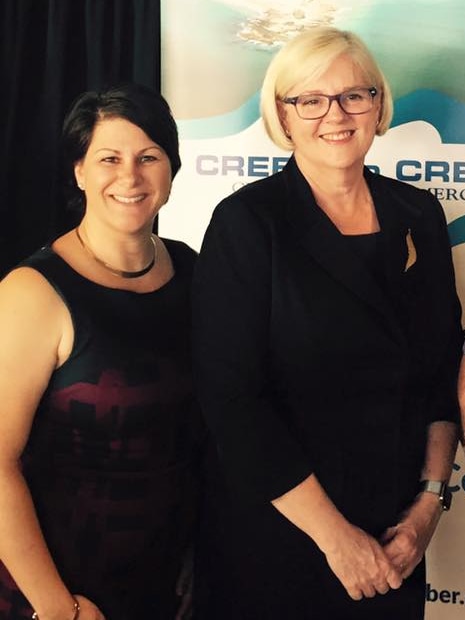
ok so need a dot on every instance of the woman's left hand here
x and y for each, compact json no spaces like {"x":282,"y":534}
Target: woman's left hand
{"x":184,"y":587}
{"x":405,"y":543}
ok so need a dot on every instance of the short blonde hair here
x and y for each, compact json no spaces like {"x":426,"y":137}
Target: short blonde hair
{"x":309,"y":55}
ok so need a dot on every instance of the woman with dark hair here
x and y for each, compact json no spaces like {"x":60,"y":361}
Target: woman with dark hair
{"x":100,"y":433}
{"x":327,"y":338}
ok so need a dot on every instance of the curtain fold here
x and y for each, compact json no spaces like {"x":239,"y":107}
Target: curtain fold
{"x":52,"y":50}
{"x":146,"y":59}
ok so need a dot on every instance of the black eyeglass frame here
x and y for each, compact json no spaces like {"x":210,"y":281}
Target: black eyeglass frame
{"x":294,"y":100}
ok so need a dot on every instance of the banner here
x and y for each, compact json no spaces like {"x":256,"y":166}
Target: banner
{"x":214,"y":56}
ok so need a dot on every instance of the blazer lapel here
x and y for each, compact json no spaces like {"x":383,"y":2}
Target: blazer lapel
{"x":320,"y":238}
{"x":397,"y":221}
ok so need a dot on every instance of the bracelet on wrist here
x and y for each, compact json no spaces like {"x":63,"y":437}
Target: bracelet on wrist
{"x":76,"y":610}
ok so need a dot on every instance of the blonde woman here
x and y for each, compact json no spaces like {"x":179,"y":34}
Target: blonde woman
{"x":327,"y":337}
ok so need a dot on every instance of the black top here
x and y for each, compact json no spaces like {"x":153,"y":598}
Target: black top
{"x":306,"y":364}
{"x":111,"y":458}
{"x":366,"y":245}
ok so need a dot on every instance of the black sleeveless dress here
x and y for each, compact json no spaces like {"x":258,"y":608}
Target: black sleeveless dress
{"x":112,"y":460}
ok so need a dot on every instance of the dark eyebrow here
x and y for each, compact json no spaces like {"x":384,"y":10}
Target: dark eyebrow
{"x":116,"y":151}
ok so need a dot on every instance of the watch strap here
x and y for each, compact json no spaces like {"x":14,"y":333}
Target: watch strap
{"x":439,"y":488}
{"x":433,"y":486}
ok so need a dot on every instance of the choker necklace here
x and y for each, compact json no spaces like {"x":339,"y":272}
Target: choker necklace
{"x":119,"y":272}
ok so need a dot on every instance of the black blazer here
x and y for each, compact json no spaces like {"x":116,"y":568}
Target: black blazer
{"x":308,"y":362}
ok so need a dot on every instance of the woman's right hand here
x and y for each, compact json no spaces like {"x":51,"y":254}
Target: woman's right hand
{"x":361,"y":565}
{"x":356,"y":558}
{"x":88,"y":610}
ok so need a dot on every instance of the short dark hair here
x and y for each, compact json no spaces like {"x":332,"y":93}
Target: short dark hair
{"x":138,"y":104}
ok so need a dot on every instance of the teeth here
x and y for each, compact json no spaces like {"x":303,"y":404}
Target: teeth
{"x":338,"y":136}
{"x":126,"y":200}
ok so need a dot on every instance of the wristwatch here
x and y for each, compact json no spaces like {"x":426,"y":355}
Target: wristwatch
{"x":439,"y":488}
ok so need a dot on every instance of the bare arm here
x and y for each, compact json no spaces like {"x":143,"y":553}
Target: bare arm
{"x":35,"y":336}
{"x":356,"y":558}
{"x":406,"y":543}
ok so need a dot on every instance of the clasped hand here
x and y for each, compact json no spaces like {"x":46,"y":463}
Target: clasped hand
{"x":405,"y":544}
{"x":362,"y":566}
{"x":366,"y":566}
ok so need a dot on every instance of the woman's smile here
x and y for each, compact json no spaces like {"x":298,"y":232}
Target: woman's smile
{"x":340,"y":136}
{"x":129,"y":199}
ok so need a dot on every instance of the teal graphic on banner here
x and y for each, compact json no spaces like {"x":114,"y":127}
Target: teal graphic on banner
{"x":457,"y":231}
{"x":446,"y":114}
{"x":420,"y":50}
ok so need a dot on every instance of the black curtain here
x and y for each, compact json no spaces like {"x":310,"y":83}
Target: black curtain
{"x":51,"y":50}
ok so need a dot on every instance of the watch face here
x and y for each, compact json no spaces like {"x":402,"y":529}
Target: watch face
{"x":446,"y":498}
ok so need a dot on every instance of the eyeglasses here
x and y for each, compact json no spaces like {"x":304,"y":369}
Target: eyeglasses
{"x":312,"y":106}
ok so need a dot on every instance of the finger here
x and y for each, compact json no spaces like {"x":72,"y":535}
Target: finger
{"x":369,"y":592}
{"x":185,"y":607}
{"x":388,"y":534}
{"x":182,"y":583}
{"x":396,"y":558}
{"x":382,"y":587}
{"x":180,"y":587}
{"x":394,"y":579}
{"x":355,"y":594}
{"x":407,"y":569}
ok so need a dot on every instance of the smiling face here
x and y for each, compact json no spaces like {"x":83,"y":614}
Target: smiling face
{"x":338,"y":140}
{"x":126,"y":176}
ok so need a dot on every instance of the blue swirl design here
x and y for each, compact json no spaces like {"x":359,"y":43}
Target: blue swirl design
{"x":447,"y":115}
{"x":456,"y":230}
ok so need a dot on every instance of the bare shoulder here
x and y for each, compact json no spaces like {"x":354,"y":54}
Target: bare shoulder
{"x":26,"y":290}
{"x":32,"y":314}
{"x":33,"y":331}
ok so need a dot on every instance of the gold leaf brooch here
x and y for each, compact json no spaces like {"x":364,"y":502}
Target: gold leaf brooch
{"x":411,"y":251}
